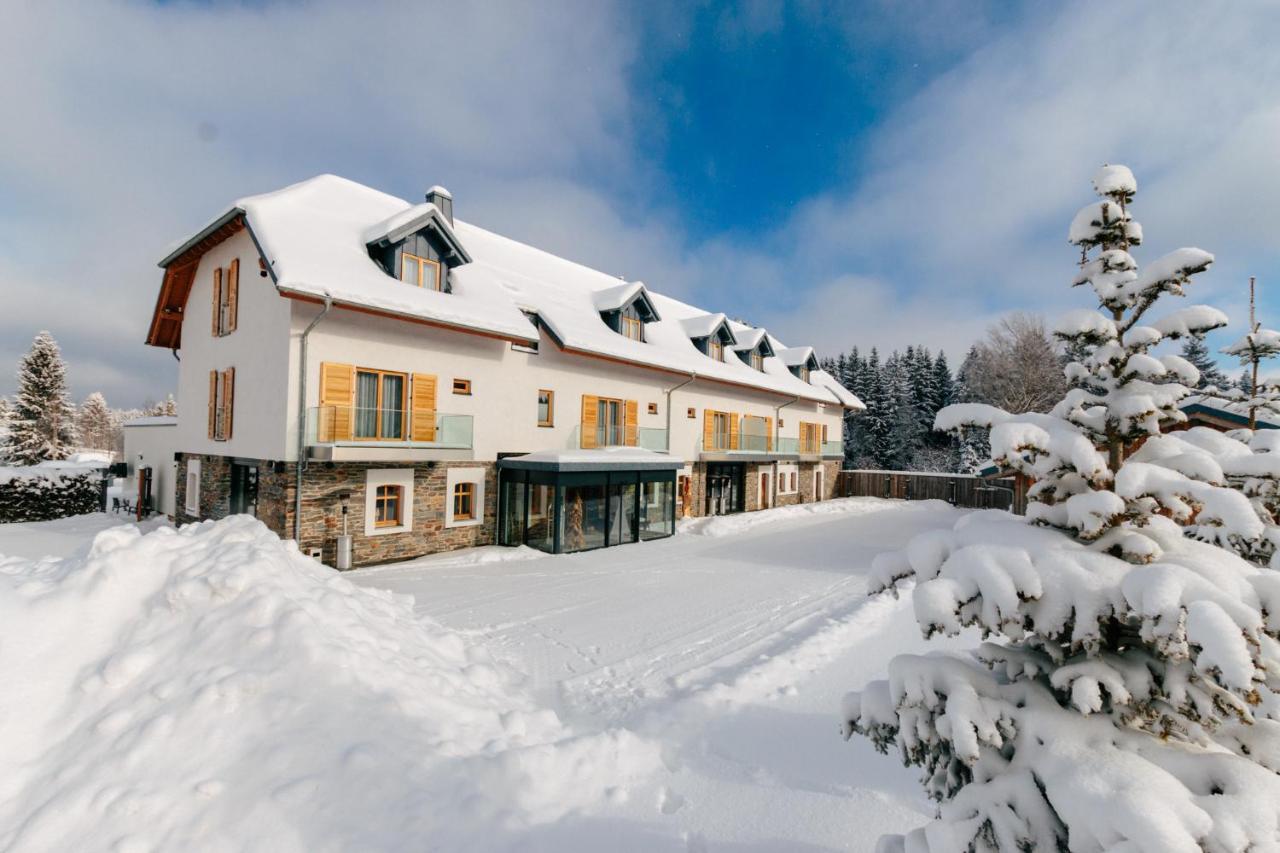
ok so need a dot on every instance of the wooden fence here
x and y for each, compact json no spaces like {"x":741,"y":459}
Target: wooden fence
{"x":967,"y":490}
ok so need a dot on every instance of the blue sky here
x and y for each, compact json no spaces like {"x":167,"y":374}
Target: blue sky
{"x":872,"y":173}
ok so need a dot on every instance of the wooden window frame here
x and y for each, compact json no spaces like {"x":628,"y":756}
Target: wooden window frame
{"x":406,"y":258}
{"x":378,"y":407}
{"x":804,"y":374}
{"x":715,"y":350}
{"x":465,"y":491}
{"x":716,"y":419}
{"x":462,"y":387}
{"x":757,"y":360}
{"x":630,"y":323}
{"x":692,"y":413}
{"x":550,"y":420}
{"x":620,"y":426}
{"x":388,"y":493}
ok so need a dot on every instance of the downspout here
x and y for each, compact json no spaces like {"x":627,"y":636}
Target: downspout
{"x":668,"y":392}
{"x":777,"y":422}
{"x":777,"y":438}
{"x":302,"y":419}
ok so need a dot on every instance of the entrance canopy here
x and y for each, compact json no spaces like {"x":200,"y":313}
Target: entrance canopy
{"x":605,"y":459}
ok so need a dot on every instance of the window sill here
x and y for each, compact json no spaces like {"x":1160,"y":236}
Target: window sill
{"x":387,"y":531}
{"x":467,"y":522}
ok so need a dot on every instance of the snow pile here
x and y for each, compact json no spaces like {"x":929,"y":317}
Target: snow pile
{"x":211,"y":688}
{"x":1173,"y":743}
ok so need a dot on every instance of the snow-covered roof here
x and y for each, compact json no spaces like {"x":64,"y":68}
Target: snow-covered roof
{"x":411,"y":220}
{"x":796,"y":356}
{"x":314,"y":235}
{"x":747,"y":337}
{"x":619,"y":297}
{"x":1233,"y":410}
{"x":705,"y":325}
{"x":603,"y":459}
{"x":152,"y":421}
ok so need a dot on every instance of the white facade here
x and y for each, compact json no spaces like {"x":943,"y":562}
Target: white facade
{"x":152,"y":443}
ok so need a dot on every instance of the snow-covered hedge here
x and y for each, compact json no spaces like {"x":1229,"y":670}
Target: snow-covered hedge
{"x":210,"y":687}
{"x":43,"y":494}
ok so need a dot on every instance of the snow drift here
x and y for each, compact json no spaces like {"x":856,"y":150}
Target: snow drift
{"x":211,"y":688}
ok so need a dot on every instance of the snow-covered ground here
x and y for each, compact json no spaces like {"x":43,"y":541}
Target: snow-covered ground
{"x":210,"y":688}
{"x":731,"y":644}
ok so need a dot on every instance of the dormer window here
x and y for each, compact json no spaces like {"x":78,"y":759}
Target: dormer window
{"x":757,"y":360}
{"x":632,"y":326}
{"x":804,"y":373}
{"x":715,"y":349}
{"x":420,"y":271}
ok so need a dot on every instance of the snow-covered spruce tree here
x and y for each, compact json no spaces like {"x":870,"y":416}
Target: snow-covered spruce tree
{"x":94,"y":423}
{"x":1132,"y":703}
{"x":1195,"y":352}
{"x":43,"y":422}
{"x":1254,"y":348}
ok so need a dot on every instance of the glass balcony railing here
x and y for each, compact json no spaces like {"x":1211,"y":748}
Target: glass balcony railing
{"x":653,"y":439}
{"x":350,"y":425}
{"x":833,"y":448}
{"x":648,"y":438}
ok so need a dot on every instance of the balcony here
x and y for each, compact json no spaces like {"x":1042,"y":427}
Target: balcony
{"x":348,"y":433}
{"x":646,"y":437}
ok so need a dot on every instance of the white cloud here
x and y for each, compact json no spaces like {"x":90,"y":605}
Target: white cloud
{"x":135,"y":123}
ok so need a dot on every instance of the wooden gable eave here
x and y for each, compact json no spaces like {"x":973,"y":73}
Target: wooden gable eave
{"x":179,"y":276}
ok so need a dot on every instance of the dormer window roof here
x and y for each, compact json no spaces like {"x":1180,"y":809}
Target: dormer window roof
{"x":753,"y":347}
{"x":801,"y":361}
{"x":626,"y":309}
{"x":710,"y":333}
{"x":415,"y":220}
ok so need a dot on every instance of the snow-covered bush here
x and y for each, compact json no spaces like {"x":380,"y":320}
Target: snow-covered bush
{"x":1132,"y":704}
{"x":42,"y":494}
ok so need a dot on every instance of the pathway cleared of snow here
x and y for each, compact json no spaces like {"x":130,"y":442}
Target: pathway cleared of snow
{"x":731,"y":645}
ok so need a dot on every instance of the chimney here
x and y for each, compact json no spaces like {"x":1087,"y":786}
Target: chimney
{"x":443,"y":200}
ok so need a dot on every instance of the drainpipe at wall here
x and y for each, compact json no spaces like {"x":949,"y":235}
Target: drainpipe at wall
{"x":692,"y":377}
{"x":302,"y":419}
{"x":777,"y":438}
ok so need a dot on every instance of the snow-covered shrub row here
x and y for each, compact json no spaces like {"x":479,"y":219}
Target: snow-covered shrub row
{"x":1134,"y":703}
{"x":43,"y":494}
{"x":211,"y":688}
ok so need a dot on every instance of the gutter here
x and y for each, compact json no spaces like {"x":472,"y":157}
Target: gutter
{"x":300,"y":464}
{"x":668,"y":392}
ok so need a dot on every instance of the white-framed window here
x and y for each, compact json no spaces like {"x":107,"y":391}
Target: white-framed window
{"x":388,"y":501}
{"x":787,"y":479}
{"x":192,"y":502}
{"x":464,"y":497}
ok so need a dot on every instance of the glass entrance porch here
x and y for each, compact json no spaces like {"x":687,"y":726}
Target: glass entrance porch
{"x":565,"y":511}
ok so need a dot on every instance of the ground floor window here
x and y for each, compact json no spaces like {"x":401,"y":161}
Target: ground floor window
{"x":563,"y":512}
{"x":724,"y":487}
{"x":464,"y":501}
{"x":388,"y":502}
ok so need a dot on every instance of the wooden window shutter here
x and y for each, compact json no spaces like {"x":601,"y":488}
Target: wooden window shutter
{"x":768,"y":435}
{"x":228,"y":400}
{"x":233,"y":294}
{"x":590,"y":420}
{"x":708,"y":429}
{"x":216,"y":324}
{"x":824,"y":433}
{"x":423,"y":407}
{"x":213,"y":403}
{"x":337,"y":395}
{"x":733,"y":430}
{"x":632,"y":432}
